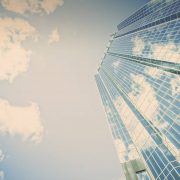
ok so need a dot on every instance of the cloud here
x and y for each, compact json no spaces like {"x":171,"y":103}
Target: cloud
{"x":124,"y":152}
{"x":153,"y":72}
{"x":31,"y":6}
{"x":1,"y":159}
{"x":121,"y":149}
{"x":144,"y":96}
{"x":139,"y":46}
{"x":24,"y":121}
{"x":1,"y":155}
{"x":1,"y":175}
{"x":54,"y":37}
{"x":175,"y":85}
{"x":50,"y":5}
{"x":167,"y":51}
{"x":17,"y":6}
{"x":137,"y":132}
{"x":115,"y":64}
{"x":14,"y":58}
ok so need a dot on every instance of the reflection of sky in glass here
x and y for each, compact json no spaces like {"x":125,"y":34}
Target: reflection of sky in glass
{"x":161,"y":95}
{"x":146,"y":92}
{"x":136,"y":80}
{"x":122,"y":140}
{"x":160,"y":42}
{"x":161,"y":90}
{"x":162,"y":11}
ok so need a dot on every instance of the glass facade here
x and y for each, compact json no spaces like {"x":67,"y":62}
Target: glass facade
{"x":143,"y":176}
{"x":139,"y":83}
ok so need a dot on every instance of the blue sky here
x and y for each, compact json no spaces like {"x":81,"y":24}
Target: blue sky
{"x":55,"y":58}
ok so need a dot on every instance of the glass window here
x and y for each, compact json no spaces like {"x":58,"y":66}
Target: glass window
{"x":143,"y":175}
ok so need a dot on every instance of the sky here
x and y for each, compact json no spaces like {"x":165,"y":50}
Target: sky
{"x":52,"y":121}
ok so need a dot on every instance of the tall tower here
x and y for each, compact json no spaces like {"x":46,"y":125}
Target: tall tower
{"x":139,"y":83}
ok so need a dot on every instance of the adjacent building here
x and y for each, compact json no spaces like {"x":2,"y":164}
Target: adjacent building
{"x":139,"y":83}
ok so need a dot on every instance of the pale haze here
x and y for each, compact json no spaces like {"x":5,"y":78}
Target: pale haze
{"x":52,"y":122}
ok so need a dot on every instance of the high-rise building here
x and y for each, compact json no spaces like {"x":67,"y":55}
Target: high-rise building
{"x":139,"y":83}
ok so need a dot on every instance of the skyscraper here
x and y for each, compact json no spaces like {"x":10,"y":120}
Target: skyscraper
{"x":139,"y":84}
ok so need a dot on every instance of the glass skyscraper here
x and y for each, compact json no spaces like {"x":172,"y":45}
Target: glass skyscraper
{"x":139,"y":83}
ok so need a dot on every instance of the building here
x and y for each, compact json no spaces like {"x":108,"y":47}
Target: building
{"x":139,"y":83}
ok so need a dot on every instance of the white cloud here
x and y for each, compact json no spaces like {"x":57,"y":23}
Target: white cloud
{"x":120,"y":146}
{"x":144,"y":97}
{"x":167,"y":52}
{"x":32,"y":6}
{"x":175,"y":85}
{"x":163,"y":125}
{"x":50,"y":5}
{"x":1,"y":155}
{"x":137,"y":132}
{"x":54,"y":37}
{"x":160,"y":51}
{"x":24,"y":121}
{"x":153,"y":72}
{"x":138,"y":45}
{"x":108,"y":110}
{"x":124,"y":152}
{"x":115,"y":64}
{"x":14,"y":58}
{"x":1,"y":159}
{"x":1,"y":175}
{"x":17,"y":6}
